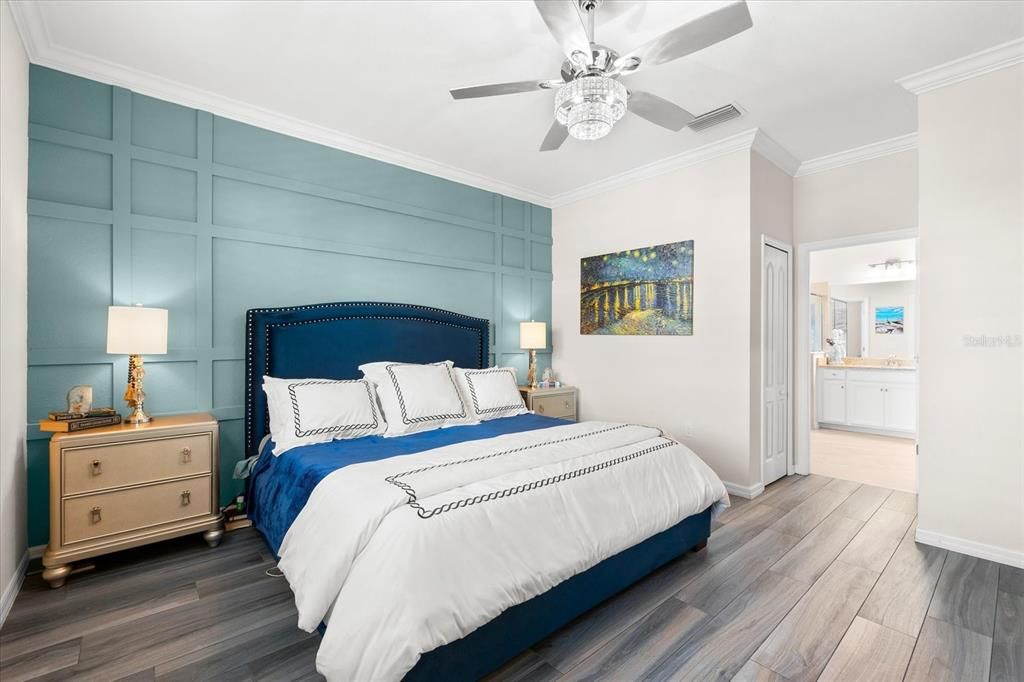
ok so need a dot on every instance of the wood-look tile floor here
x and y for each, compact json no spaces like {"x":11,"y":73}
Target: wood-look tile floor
{"x":818,"y":578}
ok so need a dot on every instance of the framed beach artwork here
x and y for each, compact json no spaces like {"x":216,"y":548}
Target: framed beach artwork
{"x":638,"y":292}
{"x":889,"y":320}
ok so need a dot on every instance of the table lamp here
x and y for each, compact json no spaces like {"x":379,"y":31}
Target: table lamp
{"x":532,"y":337}
{"x":136,"y":331}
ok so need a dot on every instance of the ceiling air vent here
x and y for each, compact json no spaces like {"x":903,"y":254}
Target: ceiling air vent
{"x":715,"y":117}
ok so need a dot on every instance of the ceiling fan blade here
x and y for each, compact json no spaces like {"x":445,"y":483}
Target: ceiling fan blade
{"x":504,"y":88}
{"x":690,"y":37}
{"x":659,"y":111}
{"x":555,"y":137}
{"x":566,"y":25}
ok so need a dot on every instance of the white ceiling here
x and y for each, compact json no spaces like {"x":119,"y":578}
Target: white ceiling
{"x":817,"y":77}
{"x":850,"y":264}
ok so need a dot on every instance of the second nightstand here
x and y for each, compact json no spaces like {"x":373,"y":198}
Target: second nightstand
{"x":551,"y":402}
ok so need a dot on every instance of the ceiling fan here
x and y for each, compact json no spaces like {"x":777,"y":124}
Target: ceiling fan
{"x":589,"y":98}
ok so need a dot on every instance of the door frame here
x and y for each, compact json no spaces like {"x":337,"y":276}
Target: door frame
{"x":767,"y":241}
{"x":802,"y":349}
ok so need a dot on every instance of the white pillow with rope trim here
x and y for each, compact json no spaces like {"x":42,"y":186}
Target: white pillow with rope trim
{"x":418,"y":397}
{"x":491,"y":393}
{"x":305,"y":411}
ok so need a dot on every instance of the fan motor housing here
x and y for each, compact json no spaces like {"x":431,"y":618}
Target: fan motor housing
{"x":603,"y":57}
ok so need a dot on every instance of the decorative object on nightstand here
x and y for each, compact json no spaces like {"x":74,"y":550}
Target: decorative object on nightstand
{"x":557,"y":402}
{"x":128,"y":485}
{"x":533,"y":336}
{"x":136,"y":331}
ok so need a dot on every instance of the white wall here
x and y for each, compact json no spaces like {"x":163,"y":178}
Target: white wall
{"x":971,"y":283}
{"x":697,"y":388}
{"x":878,"y":195}
{"x":13,"y":303}
{"x":885,"y":294}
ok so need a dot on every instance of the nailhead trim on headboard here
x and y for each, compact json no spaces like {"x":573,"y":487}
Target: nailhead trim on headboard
{"x":251,"y":374}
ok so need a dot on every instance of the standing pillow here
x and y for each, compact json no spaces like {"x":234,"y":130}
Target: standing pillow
{"x":491,"y":393}
{"x":417,"y":397}
{"x":304,"y":411}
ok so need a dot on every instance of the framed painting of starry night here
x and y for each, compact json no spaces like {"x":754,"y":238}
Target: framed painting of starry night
{"x":638,"y":292}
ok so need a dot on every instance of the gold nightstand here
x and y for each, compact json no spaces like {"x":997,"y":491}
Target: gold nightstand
{"x":551,"y":402}
{"x":123,"y":486}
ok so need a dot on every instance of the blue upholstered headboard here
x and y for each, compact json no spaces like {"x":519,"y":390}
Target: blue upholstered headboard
{"x":331,"y":340}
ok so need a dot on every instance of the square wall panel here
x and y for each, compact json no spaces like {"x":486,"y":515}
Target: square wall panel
{"x":164,"y":276}
{"x":163,"y":191}
{"x":77,"y":105}
{"x":513,"y":252}
{"x":170,"y":386}
{"x":69,"y":283}
{"x":540,"y":220}
{"x":68,"y":175}
{"x":513,"y":213}
{"x":48,"y":387}
{"x":163,"y":126}
{"x":540,"y":257}
{"x":228,"y":383}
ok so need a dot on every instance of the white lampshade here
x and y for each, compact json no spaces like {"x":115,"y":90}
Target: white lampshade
{"x":134,"y":330}
{"x":533,"y":335}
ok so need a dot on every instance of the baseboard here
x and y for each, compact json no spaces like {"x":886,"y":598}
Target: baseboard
{"x":747,"y":491}
{"x":36,"y":551}
{"x":976,"y":549}
{"x":11,"y":589}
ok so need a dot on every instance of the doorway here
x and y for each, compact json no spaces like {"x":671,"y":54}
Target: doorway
{"x":857,"y":363}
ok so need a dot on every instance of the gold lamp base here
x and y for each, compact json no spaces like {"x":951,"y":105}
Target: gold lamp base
{"x":531,"y":372}
{"x":133,"y":393}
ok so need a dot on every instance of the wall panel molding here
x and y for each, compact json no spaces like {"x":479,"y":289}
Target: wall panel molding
{"x":176,"y":237}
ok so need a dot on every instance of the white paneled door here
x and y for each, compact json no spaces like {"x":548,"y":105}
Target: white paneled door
{"x":775,"y":292}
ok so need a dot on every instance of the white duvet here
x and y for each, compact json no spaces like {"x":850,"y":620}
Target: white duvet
{"x":406,"y":554}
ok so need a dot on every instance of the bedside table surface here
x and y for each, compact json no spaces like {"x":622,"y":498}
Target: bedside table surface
{"x":159,"y":423}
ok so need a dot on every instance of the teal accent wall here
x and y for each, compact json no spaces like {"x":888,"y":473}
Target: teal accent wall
{"x":137,"y":200}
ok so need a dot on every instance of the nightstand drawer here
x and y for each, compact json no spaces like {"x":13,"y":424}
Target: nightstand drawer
{"x":563,"y":405}
{"x":102,"y":514}
{"x":101,"y":467}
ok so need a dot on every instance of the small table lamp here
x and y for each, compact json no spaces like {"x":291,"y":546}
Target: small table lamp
{"x":135,"y":331}
{"x":532,"y":337}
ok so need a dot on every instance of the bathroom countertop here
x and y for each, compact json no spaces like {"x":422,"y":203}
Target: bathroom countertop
{"x":868,"y":366}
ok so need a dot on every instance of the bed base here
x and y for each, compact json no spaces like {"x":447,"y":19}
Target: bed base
{"x":488,"y":647}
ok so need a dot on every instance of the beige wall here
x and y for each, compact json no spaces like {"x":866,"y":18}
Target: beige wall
{"x":694,"y":387}
{"x":771,"y":215}
{"x":971,"y":284}
{"x":13,"y":301}
{"x":878,"y":195}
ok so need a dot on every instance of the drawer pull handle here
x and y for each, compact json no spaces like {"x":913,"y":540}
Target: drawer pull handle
{"x":186,"y":454}
{"x":186,"y":497}
{"x":566,"y":404}
{"x":97,"y":467}
{"x":97,"y":514}
{"x":540,"y":408}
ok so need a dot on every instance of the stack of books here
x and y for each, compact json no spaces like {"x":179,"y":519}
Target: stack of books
{"x":235,"y":518}
{"x":70,"y":422}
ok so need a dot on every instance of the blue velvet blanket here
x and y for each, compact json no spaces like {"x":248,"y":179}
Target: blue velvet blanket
{"x":280,"y":486}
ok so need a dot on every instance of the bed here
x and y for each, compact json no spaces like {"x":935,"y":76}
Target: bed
{"x":287,"y":494}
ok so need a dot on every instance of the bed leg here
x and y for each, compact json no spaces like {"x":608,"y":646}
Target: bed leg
{"x":700,"y":545}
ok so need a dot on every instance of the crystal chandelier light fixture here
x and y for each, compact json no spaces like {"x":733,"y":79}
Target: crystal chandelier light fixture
{"x":590,"y":105}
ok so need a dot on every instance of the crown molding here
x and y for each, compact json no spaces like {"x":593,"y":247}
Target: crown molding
{"x":998,"y":57}
{"x":728,"y":145}
{"x":857,"y":154}
{"x":774,"y":152}
{"x":41,"y":50}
